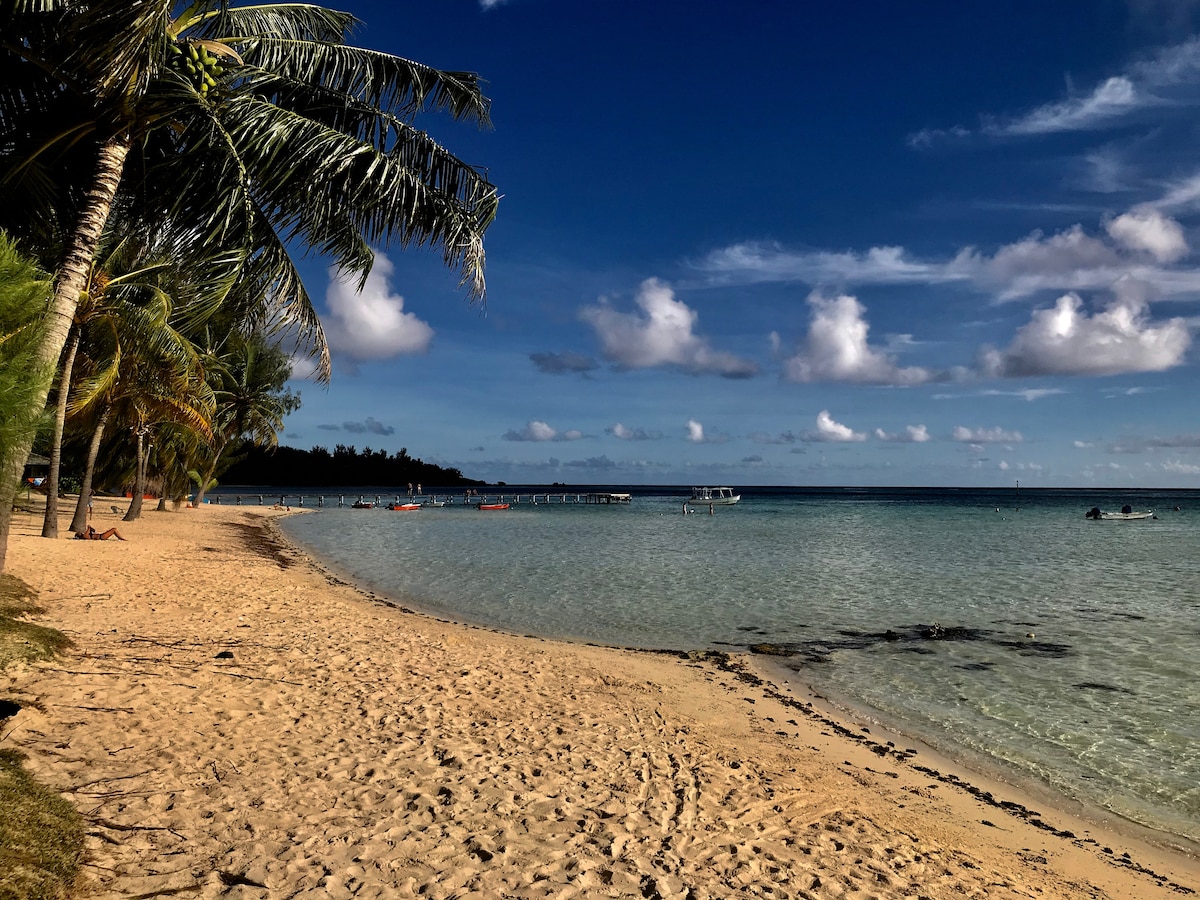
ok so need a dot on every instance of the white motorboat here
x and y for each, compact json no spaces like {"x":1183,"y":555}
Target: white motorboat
{"x":713,"y":496}
{"x":1126,"y":514}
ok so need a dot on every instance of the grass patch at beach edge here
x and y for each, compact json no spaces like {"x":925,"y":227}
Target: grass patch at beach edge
{"x":41,"y":834}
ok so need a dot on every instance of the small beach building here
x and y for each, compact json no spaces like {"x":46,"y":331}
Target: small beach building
{"x":37,"y":467}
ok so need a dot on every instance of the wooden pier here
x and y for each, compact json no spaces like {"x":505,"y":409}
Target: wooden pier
{"x":333,"y":501}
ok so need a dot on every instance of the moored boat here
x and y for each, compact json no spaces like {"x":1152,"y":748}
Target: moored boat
{"x":713,"y":496}
{"x":1126,"y":514}
{"x":362,"y":504}
{"x":405,"y":507}
{"x":492,"y":506}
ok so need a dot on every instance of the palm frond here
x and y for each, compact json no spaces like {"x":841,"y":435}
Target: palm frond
{"x":25,"y":7}
{"x":95,"y":388}
{"x":418,"y":194}
{"x":283,"y":306}
{"x":291,"y":21}
{"x":388,"y":82}
{"x":122,"y":72}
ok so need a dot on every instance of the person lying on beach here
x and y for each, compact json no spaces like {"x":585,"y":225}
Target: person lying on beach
{"x":91,"y":534}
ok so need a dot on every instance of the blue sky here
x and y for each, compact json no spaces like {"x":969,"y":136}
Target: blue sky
{"x":788,"y":243}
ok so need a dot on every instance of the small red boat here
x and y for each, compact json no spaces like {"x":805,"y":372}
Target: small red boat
{"x":493,"y":506}
{"x":405,"y":506}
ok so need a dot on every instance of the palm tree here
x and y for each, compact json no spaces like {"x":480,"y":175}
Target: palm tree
{"x":154,"y":391}
{"x":126,"y":330}
{"x":80,"y":520}
{"x":248,"y":377}
{"x":175,"y":446}
{"x":255,"y":127}
{"x":131,"y":291}
{"x":24,"y":291}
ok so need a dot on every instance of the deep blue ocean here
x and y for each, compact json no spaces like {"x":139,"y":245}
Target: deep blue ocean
{"x":1000,"y":626}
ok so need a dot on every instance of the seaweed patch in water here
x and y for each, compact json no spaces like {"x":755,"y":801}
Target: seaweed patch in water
{"x":1097,"y":686}
{"x":1037,"y":648}
{"x":775,"y":649}
{"x":913,"y":638}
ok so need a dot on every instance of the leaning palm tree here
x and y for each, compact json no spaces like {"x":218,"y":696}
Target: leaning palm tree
{"x":257,"y":128}
{"x":153,"y":392}
{"x":123,"y":325}
{"x":175,"y":447}
{"x":132,"y":290}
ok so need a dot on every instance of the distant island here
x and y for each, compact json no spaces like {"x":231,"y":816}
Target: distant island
{"x":343,"y":466}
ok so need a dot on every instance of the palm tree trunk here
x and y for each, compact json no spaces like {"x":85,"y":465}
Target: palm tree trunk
{"x":206,"y":478}
{"x":50,"y":522}
{"x":80,"y":520}
{"x":72,"y":277}
{"x":220,"y":442}
{"x":139,"y":480}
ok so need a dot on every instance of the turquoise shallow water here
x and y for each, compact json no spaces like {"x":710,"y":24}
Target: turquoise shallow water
{"x":1057,"y":649}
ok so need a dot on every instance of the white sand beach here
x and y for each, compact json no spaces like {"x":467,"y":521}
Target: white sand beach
{"x":234,"y":721}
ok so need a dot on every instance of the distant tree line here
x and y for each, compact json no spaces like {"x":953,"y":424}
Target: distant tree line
{"x":345,"y":466}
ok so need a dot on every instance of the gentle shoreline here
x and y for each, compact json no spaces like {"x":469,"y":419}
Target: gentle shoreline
{"x":982,"y":771}
{"x":979,"y":776}
{"x":237,"y":719}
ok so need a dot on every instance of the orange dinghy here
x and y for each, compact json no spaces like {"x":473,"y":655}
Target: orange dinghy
{"x":493,"y":506}
{"x":406,"y":506}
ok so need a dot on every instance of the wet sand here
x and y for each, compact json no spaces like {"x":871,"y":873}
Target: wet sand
{"x":235,"y":721}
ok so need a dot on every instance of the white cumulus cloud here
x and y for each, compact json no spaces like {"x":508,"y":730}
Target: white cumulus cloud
{"x":536,"y":431}
{"x":662,"y":334}
{"x":371,"y":323}
{"x":912,"y":434}
{"x":1149,"y":230}
{"x":695,"y":432}
{"x":833,"y":431}
{"x":626,"y":433}
{"x":1065,"y":340}
{"x":303,"y":368}
{"x":836,"y":348}
{"x":1177,"y":467}
{"x":1070,"y":259}
{"x":986,"y":435}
